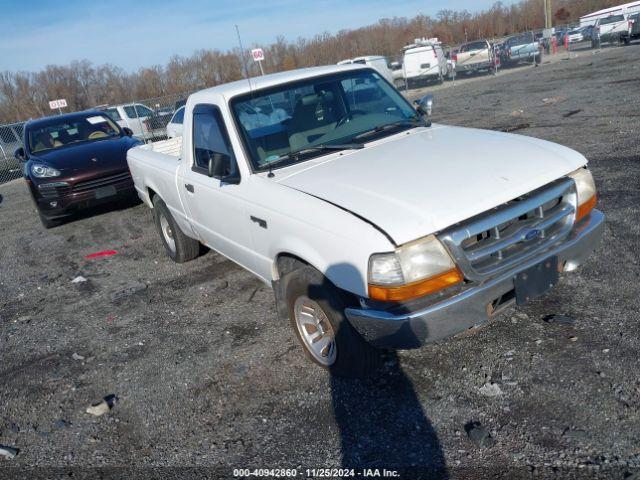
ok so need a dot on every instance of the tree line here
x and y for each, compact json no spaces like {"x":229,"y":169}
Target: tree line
{"x":26,"y":95}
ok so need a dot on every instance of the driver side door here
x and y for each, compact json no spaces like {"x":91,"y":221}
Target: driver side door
{"x":217,"y":209}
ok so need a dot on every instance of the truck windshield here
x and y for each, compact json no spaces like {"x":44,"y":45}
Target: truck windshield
{"x":60,"y":133}
{"x":321,"y":111}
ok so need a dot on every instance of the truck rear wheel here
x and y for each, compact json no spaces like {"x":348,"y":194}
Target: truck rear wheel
{"x":178,"y":246}
{"x":316,"y":313}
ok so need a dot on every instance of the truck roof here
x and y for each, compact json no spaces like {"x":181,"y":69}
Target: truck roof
{"x":265,"y":81}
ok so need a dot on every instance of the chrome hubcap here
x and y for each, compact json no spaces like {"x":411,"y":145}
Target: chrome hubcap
{"x":167,"y":233}
{"x":315,"y":330}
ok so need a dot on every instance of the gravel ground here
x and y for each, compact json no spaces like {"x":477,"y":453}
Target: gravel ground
{"x":207,"y":376}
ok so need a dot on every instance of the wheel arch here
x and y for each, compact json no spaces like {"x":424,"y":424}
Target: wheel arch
{"x":343,"y":275}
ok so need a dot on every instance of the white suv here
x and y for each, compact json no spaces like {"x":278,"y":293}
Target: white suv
{"x":133,"y":116}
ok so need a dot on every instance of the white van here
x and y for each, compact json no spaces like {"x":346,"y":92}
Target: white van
{"x":424,"y":60}
{"x":377,"y":62}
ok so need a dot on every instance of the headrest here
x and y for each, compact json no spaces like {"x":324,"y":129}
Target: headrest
{"x":314,"y":98}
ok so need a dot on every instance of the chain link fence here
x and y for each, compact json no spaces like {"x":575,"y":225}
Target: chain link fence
{"x":10,"y":140}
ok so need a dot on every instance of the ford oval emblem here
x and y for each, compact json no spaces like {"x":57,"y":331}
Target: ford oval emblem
{"x":531,"y":234}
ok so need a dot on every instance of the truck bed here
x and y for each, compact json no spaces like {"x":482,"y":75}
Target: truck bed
{"x":172,"y":146}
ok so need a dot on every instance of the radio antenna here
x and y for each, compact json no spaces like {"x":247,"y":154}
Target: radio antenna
{"x":244,"y":61}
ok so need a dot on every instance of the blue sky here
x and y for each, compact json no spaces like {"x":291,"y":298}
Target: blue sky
{"x":137,"y":33}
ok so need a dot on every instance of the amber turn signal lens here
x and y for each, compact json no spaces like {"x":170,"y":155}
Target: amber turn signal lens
{"x":585,"y":208}
{"x":416,"y":289}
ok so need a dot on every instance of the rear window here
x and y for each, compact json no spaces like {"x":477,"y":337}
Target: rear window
{"x":473,"y":46}
{"x":612,"y":19}
{"x":521,"y":39}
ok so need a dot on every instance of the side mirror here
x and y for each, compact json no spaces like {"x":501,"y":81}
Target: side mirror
{"x":424,"y":106}
{"x":20,"y":155}
{"x":221,"y":167}
{"x":127,"y":131}
{"x":395,"y":65}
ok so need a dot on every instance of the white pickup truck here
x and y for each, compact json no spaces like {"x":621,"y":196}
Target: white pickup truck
{"x":611,"y":29}
{"x":376,"y":228}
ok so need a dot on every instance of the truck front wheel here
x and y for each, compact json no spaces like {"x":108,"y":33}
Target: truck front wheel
{"x":316,"y":312}
{"x":178,"y":246}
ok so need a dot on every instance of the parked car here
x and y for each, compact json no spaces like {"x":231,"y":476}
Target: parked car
{"x":576,"y":36}
{"x":74,"y":161}
{"x":611,"y":29}
{"x":348,"y":210}
{"x":132,"y":116}
{"x":521,"y":48}
{"x":377,"y":62}
{"x":423,"y":61}
{"x":174,"y":127}
{"x":10,"y":140}
{"x":473,"y":57}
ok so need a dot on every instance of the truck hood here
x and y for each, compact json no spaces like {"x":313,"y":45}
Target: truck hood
{"x":419,"y":182}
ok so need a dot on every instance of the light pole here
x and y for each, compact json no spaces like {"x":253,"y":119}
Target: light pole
{"x":548,"y":23}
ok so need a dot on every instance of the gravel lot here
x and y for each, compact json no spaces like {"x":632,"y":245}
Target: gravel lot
{"x":207,"y":376}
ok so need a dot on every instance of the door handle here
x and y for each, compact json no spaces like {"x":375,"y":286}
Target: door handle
{"x":189,"y":187}
{"x":262,"y":223}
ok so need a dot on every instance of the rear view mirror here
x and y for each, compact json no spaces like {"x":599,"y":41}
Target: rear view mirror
{"x":424,"y":106}
{"x":20,"y":155}
{"x":221,"y":167}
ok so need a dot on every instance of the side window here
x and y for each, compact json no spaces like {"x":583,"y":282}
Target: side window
{"x":113,"y":113}
{"x":130,"y":112}
{"x":178,"y":117}
{"x":143,"y":110}
{"x":210,"y":138}
{"x":137,"y":110}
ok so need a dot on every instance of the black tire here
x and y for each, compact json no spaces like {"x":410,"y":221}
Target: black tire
{"x":626,"y":40}
{"x":399,"y":84}
{"x":184,"y":248}
{"x":49,"y":222}
{"x":354,"y":357}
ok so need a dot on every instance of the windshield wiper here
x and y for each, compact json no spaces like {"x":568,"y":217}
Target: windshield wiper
{"x":389,"y":126}
{"x":295,"y":154}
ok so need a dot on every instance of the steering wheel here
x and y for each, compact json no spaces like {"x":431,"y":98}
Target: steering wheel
{"x":97,"y":134}
{"x":348,"y":117}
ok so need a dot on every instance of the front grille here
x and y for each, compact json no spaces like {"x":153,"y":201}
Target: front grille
{"x":102,"y":182}
{"x":490,"y":243}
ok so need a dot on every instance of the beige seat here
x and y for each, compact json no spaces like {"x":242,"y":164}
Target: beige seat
{"x":313,"y":117}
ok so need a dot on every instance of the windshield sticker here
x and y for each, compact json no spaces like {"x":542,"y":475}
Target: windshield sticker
{"x":96,"y":119}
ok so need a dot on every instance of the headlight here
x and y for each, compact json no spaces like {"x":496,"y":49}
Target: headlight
{"x":42,"y":171}
{"x":586,"y":191}
{"x":413,"y":270}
